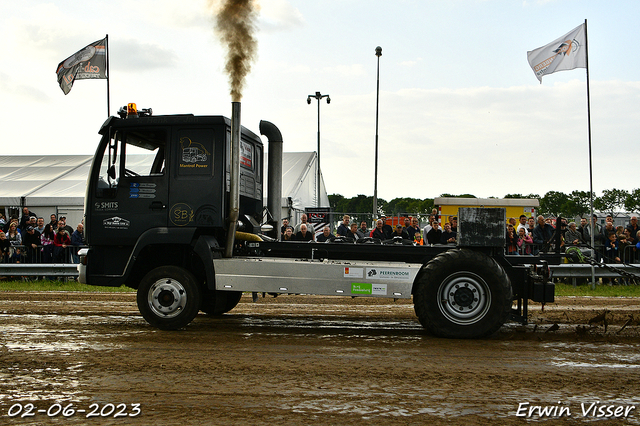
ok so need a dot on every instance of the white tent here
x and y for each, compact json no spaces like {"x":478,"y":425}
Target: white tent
{"x":56,"y":183}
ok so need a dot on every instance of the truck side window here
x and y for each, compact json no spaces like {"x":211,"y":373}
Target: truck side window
{"x":144,"y":153}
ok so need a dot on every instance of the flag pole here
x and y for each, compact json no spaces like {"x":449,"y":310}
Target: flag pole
{"x":106,"y":46}
{"x":593,"y":224}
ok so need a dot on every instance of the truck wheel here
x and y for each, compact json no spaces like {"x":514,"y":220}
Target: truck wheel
{"x":462,"y":294}
{"x":218,"y":302}
{"x":169,"y":297}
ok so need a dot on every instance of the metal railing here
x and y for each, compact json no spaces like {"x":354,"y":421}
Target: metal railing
{"x":41,"y":261}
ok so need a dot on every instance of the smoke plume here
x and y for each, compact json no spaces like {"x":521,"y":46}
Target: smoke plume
{"x":235,"y":24}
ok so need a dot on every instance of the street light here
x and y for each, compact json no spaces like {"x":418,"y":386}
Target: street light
{"x":318,"y":96}
{"x":375,"y":178}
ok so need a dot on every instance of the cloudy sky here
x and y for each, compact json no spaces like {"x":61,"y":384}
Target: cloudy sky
{"x":460,"y":109}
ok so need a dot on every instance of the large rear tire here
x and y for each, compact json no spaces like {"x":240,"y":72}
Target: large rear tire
{"x":462,"y":294}
{"x":169,"y":297}
{"x":218,"y":302}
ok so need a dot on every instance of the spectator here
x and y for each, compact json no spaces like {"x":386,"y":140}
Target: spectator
{"x":363,"y":229}
{"x":62,"y":222}
{"x":454,"y":224}
{"x":524,"y":241}
{"x":353,"y":232}
{"x":77,"y":240}
{"x":378,"y":231}
{"x":407,"y":223}
{"x":40,"y":225}
{"x":584,"y":230}
{"x":386,"y":228}
{"x":611,"y":253}
{"x":31,"y":242}
{"x":608,"y":228}
{"x":15,"y":239}
{"x":46,"y":240}
{"x":26,"y":217}
{"x":595,"y":229}
{"x":285,"y":225}
{"x":512,"y":221}
{"x":413,"y":229}
{"x":304,"y":234}
{"x":54,"y":221}
{"x":522,"y":224}
{"x":60,"y":243}
{"x":303,"y":221}
{"x":400,"y":232}
{"x":3,"y":221}
{"x":358,"y":232}
{"x":288,"y":234}
{"x":531,"y":225}
{"x":4,"y":247}
{"x":344,"y":227}
{"x":633,"y":228}
{"x":542,"y":234}
{"x":512,"y":240}
{"x":326,"y":235}
{"x":448,"y":236}
{"x":573,"y":237}
{"x":433,"y":236}
{"x":417,"y":238}
{"x":428,"y":226}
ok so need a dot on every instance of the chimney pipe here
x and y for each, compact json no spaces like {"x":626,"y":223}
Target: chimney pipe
{"x":234,"y":187}
{"x":274,"y":176}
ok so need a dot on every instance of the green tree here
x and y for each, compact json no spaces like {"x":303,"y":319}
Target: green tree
{"x":632,"y":203}
{"x":612,"y":200}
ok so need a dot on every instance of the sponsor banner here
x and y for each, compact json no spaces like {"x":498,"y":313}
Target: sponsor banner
{"x":353,"y":272}
{"x":389,"y":274}
{"x":369,"y":288}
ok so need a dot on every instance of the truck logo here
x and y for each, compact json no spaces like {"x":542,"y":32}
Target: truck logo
{"x":116,"y":223}
{"x":193,"y":152}
{"x":181,"y":214}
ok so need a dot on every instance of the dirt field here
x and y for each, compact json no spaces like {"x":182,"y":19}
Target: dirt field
{"x":312,"y":361}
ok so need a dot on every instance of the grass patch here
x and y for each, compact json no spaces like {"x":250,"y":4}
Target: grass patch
{"x":600,"y":290}
{"x":46,"y":285}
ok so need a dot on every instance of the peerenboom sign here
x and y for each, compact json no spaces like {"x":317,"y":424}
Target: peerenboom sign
{"x":88,"y":63}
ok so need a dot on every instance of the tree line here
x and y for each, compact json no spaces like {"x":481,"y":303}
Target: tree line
{"x":553,"y":203}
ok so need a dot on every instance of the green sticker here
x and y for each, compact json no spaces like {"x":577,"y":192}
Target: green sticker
{"x":361,"y":288}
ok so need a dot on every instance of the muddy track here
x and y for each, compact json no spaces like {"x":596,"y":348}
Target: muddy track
{"x":311,"y":360}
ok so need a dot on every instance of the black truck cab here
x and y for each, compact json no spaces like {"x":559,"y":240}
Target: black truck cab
{"x":156,"y":185}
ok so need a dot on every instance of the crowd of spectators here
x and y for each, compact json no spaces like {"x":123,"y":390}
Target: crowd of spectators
{"x":524,"y":236}
{"x":29,"y":239}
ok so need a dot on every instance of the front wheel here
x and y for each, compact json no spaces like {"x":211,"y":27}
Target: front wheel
{"x":169,"y":297}
{"x":462,"y":294}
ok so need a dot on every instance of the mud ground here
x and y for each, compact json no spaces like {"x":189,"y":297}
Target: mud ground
{"x":311,"y":361}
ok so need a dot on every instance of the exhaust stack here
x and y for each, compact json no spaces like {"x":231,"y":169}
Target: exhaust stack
{"x":234,"y":185}
{"x":274,"y":176}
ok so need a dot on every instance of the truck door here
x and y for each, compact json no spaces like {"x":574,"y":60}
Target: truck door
{"x":132,"y":190}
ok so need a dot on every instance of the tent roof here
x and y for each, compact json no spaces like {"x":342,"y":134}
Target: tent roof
{"x":48,"y":180}
{"x":43,"y":179}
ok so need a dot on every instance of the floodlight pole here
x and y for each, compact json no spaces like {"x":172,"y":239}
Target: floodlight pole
{"x":318,"y":96}
{"x":375,"y":178}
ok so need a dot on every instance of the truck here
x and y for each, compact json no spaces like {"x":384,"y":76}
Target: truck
{"x":192,"y":234}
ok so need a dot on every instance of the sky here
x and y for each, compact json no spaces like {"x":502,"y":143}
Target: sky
{"x":460,"y":110}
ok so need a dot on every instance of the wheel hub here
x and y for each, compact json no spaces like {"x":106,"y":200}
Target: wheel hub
{"x":167,"y":297}
{"x":464,"y":298}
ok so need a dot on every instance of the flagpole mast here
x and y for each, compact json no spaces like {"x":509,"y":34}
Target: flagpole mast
{"x":593,"y":224}
{"x":106,"y":46}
